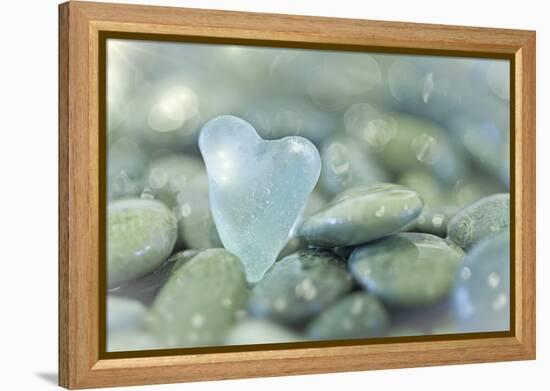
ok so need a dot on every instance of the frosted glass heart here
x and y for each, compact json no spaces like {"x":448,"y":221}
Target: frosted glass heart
{"x":257,"y":188}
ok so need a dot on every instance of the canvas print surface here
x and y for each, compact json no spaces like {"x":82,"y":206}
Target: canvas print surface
{"x":262,"y":195}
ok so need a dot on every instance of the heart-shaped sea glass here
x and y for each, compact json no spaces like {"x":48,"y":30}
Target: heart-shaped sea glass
{"x":257,"y":188}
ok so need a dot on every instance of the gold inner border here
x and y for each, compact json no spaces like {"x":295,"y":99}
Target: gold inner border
{"x":104,"y":36}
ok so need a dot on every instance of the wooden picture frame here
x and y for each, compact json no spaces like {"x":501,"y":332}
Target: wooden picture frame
{"x":82,"y":364}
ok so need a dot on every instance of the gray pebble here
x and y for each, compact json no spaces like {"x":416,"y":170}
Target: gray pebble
{"x":362,"y":214}
{"x":140,"y":236}
{"x":132,"y":340}
{"x":182,"y":257}
{"x":315,"y":202}
{"x":430,"y":320}
{"x":201,"y":301}
{"x":432,"y":190}
{"x":434,"y":220}
{"x":292,"y":245}
{"x":196,"y":227}
{"x":359,"y":315}
{"x":487,"y":141}
{"x":124,"y":171}
{"x":479,"y":220}
{"x":144,"y":289}
{"x":260,"y":331}
{"x":124,"y":314}
{"x":481,"y":296}
{"x":300,"y":286}
{"x":402,"y":142}
{"x":170,"y":174}
{"x":473,"y":188}
{"x":406,"y":269}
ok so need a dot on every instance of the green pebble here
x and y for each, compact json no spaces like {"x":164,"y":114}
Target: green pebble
{"x":124,"y":314}
{"x":428,"y":320}
{"x":481,"y":296}
{"x":434,"y":220}
{"x":195,"y":222}
{"x":144,"y":289}
{"x":473,"y":188}
{"x":405,"y":331}
{"x":406,"y":269}
{"x":315,"y":202}
{"x":292,"y":245}
{"x":260,"y":331}
{"x":124,"y":172}
{"x":201,"y":301}
{"x":170,"y":174}
{"x":126,"y":320}
{"x":432,"y":190}
{"x":300,"y":286}
{"x":362,"y":214}
{"x":140,"y":236}
{"x":359,"y":315}
{"x":132,"y":341}
{"x":484,"y":218}
{"x":182,"y":257}
{"x":415,"y":143}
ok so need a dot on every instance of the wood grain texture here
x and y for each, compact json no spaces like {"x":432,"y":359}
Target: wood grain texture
{"x":63,"y":222}
{"x":79,"y":200}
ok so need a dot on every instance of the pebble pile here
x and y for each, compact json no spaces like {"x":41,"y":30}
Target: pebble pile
{"x":271,"y":195}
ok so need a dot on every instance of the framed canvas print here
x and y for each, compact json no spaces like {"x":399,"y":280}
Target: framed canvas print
{"x":251,"y":195}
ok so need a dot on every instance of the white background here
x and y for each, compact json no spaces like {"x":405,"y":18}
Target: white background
{"x":28,"y":218}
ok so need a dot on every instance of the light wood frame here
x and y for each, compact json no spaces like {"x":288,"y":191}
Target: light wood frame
{"x":81,"y":162}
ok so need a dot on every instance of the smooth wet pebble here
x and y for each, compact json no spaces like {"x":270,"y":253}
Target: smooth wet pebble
{"x":473,"y":188}
{"x":182,"y":257}
{"x":487,"y":142}
{"x":404,"y":331}
{"x":292,"y":245}
{"x":426,"y":85}
{"x":481,"y":296}
{"x":315,"y":202}
{"x":414,"y":143}
{"x":170,"y":174}
{"x":144,"y":289}
{"x":362,"y":214}
{"x":433,"y":192}
{"x":434,"y":220}
{"x":359,"y":315}
{"x":434,"y":319}
{"x":124,"y":171}
{"x":260,"y":331}
{"x":300,"y":286}
{"x":140,"y":236}
{"x":125,"y":314}
{"x":201,"y":301}
{"x":132,"y":340}
{"x":479,"y":220}
{"x":196,"y":227}
{"x":406,"y":269}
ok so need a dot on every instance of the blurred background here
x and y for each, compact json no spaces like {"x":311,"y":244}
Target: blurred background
{"x":437,"y":124}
